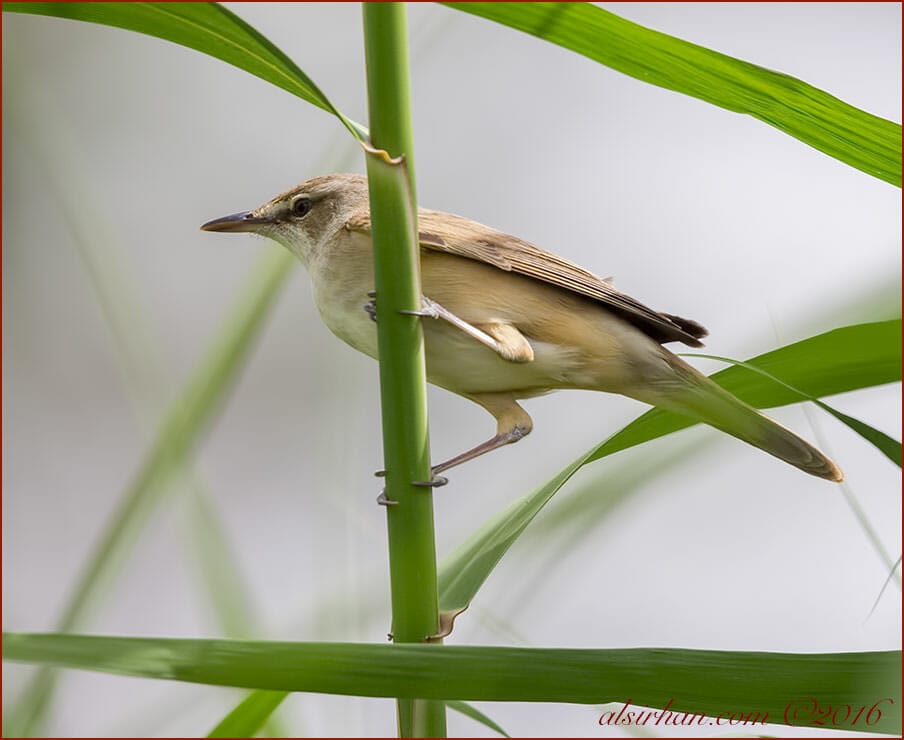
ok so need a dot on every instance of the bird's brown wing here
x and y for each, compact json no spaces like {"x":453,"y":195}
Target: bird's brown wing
{"x":465,"y":238}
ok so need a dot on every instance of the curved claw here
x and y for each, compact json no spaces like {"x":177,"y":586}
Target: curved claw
{"x":382,"y":500}
{"x":434,"y":482}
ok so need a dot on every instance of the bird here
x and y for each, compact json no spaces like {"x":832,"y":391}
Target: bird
{"x":514,"y":321}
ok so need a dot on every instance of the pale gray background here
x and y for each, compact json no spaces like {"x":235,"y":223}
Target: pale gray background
{"x":693,"y":209}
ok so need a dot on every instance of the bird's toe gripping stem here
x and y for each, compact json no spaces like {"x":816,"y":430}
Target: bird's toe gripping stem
{"x":435,"y":482}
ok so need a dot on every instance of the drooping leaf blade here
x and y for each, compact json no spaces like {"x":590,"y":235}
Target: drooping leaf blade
{"x":206,"y":27}
{"x":852,"y":357}
{"x":463,"y":571}
{"x":859,"y":356}
{"x":888,"y":446}
{"x":699,"y":681}
{"x":860,"y":139}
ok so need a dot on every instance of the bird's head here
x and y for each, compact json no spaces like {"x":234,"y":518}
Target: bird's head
{"x":302,"y":219}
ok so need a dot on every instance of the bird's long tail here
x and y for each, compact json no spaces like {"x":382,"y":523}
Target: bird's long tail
{"x":691,"y":393}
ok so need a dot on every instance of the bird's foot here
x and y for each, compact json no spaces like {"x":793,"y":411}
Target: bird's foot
{"x":430,"y":310}
{"x":383,"y":500}
{"x":370,"y":308}
{"x":435,"y":482}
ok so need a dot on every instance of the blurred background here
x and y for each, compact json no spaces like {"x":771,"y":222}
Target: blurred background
{"x":117,"y":146}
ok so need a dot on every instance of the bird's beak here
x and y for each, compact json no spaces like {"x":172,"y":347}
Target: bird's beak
{"x":244,"y":221}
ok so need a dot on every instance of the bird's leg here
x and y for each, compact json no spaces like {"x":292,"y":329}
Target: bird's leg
{"x":512,"y":424}
{"x":504,"y":339}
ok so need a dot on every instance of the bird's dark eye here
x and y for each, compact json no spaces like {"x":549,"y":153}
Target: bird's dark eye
{"x":301,"y":207}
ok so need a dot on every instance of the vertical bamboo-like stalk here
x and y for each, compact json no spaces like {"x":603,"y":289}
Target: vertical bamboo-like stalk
{"x":406,"y":449}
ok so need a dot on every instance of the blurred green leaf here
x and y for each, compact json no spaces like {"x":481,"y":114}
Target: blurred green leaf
{"x":56,"y":154}
{"x":470,"y":711}
{"x":888,"y":579}
{"x":186,"y":420}
{"x":250,"y":715}
{"x":217,"y":563}
{"x":858,"y":138}
{"x":110,"y":277}
{"x":206,"y":27}
{"x":845,"y":359}
{"x":701,"y":681}
{"x":140,"y":358}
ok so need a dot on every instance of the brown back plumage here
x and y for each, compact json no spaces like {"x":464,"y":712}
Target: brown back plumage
{"x":462,"y":237}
